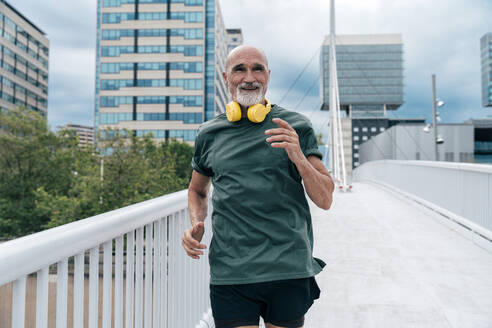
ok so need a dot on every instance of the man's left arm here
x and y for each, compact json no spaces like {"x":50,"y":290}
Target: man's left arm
{"x":317,"y":181}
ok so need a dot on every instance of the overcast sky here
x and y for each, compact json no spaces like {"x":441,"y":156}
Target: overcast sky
{"x":440,"y":37}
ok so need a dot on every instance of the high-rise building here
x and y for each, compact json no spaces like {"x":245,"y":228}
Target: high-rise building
{"x":159,"y":65}
{"x":83,"y":132}
{"x":486,"y":56}
{"x":234,"y":38}
{"x":370,"y":82}
{"x":24,"y":50}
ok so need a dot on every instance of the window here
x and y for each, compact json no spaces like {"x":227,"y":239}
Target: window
{"x":356,"y":155}
{"x":356,"y":138}
{"x":364,"y":138}
{"x":356,"y":146}
{"x":356,"y":129}
{"x":373,"y":129}
{"x":364,"y":129}
{"x":356,"y":163}
{"x":381,"y":129}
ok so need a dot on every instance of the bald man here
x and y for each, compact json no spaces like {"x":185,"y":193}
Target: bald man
{"x":257,"y":155}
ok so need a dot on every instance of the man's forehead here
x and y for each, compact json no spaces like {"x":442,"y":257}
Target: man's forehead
{"x":246,"y":55}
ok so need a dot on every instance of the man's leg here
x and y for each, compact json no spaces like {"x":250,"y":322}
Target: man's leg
{"x":235,"y":306}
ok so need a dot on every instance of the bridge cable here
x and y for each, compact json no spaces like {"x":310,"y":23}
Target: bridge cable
{"x":299,"y":76}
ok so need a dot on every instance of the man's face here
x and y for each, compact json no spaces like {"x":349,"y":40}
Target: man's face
{"x":247,"y":76}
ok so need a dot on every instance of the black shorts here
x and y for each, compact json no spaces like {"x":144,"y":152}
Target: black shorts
{"x":282,"y":302}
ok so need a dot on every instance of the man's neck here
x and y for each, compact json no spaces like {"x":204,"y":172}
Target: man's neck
{"x":244,"y":109}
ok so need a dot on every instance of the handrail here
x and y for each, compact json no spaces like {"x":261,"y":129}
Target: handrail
{"x":460,"y":191}
{"x":28,"y":254}
{"x":146,"y":276}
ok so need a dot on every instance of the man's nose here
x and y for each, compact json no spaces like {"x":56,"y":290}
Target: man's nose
{"x":249,"y":77}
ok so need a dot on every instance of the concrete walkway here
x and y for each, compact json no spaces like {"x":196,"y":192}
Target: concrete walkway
{"x":393,"y":263}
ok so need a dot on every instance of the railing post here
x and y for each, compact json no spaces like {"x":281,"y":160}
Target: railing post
{"x":19,"y":303}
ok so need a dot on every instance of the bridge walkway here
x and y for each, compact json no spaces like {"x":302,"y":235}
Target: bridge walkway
{"x":392,"y":262}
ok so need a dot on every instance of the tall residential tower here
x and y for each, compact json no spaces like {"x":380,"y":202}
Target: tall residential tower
{"x":486,"y":56}
{"x":24,"y":51}
{"x":159,"y":65}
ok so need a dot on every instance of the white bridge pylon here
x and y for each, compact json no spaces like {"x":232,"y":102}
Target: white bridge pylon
{"x":337,"y":156}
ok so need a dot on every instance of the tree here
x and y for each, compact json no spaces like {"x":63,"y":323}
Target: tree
{"x":47,"y":180}
{"x":30,"y":157}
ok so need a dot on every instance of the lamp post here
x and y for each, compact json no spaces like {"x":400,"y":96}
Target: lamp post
{"x":435,"y":103}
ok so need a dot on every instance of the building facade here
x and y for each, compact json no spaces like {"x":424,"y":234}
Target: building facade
{"x":234,"y":38}
{"x":406,"y":141}
{"x":370,"y":82}
{"x":159,"y":65}
{"x":482,"y":139}
{"x":486,"y":65}
{"x":83,"y":132}
{"x":24,"y":62}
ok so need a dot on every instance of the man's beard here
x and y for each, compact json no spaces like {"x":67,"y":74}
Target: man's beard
{"x":249,"y":98}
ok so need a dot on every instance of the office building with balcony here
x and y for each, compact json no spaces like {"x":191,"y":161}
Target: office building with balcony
{"x":84,"y":133}
{"x":486,"y":69}
{"x":159,"y":65}
{"x":370,"y":82}
{"x":24,"y":50}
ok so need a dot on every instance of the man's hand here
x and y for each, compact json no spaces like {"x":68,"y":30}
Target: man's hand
{"x":286,"y":137}
{"x":191,"y":240}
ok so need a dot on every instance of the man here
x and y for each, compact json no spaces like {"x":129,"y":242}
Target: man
{"x":257,"y":156}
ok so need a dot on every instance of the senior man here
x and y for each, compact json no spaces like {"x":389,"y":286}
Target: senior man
{"x":257,"y":155}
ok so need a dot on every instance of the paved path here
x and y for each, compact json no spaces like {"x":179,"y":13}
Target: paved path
{"x":393,"y":263}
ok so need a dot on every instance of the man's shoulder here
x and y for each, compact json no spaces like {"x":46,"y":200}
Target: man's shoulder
{"x":210,"y":127}
{"x":295,"y":119}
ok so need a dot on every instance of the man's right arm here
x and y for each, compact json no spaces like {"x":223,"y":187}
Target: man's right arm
{"x":198,"y":206}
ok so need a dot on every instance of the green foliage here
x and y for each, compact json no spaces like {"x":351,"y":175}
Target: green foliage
{"x":47,"y":180}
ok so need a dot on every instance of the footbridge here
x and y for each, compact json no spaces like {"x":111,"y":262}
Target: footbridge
{"x":409,"y":246}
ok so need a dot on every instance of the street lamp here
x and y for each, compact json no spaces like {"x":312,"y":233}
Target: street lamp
{"x":436,"y":102}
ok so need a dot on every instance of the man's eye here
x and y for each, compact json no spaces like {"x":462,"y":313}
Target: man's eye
{"x":258,"y":68}
{"x":239,"y":69}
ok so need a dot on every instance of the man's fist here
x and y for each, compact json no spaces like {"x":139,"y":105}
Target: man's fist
{"x":191,"y":240}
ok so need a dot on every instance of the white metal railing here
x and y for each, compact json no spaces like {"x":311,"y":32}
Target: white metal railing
{"x":144,"y":266}
{"x":462,"y":191}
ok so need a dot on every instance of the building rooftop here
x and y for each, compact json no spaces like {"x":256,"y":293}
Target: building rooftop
{"x":234,"y":30}
{"x":365,"y":39}
{"x":22,"y":16}
{"x":480,"y":122}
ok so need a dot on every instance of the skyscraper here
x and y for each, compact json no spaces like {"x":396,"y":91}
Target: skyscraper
{"x":370,"y":80}
{"x":24,"y":52}
{"x":486,"y":56}
{"x":159,"y":65}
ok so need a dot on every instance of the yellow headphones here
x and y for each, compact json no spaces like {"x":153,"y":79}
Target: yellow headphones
{"x":256,"y":113}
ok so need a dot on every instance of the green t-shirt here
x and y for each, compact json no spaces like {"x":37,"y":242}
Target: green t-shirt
{"x":261,"y":222}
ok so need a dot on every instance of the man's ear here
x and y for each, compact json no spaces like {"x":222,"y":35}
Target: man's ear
{"x":224,"y":75}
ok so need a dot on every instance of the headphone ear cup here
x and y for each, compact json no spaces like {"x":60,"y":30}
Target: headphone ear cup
{"x":233,"y":111}
{"x":257,"y":113}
